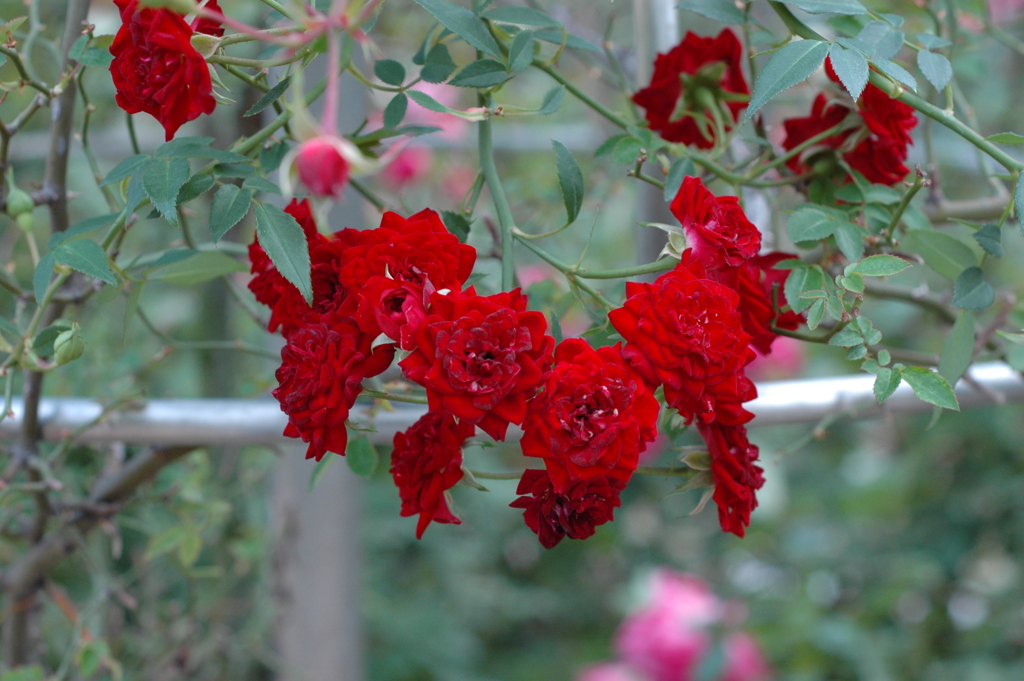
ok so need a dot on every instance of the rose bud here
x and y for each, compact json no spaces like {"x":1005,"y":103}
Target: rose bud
{"x":321,"y":167}
{"x":69,"y":345}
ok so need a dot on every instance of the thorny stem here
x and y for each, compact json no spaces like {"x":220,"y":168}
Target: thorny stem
{"x":394,"y":397}
{"x":568,"y":270}
{"x":581,"y":95}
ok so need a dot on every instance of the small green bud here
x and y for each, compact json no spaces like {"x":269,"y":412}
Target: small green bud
{"x":69,"y":345}
{"x":25,"y":221}
{"x":18,"y":201}
{"x":205,"y":45}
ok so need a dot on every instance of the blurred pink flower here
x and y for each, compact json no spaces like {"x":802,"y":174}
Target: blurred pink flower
{"x":1005,"y":11}
{"x":786,"y":361}
{"x":666,"y":638}
{"x":457,"y":181}
{"x":410,"y":166}
{"x":743,"y":659}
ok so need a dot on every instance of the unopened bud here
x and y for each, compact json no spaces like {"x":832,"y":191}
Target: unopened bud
{"x":19,"y":202}
{"x":69,"y":345}
{"x":205,"y":45}
{"x":321,"y":167}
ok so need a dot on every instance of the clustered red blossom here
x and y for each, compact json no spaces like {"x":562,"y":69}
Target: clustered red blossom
{"x":156,"y":69}
{"x":874,"y":143}
{"x":487,"y":362}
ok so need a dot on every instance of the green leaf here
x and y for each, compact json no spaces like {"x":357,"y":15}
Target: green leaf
{"x":880,"y":266}
{"x":850,"y":239}
{"x":80,"y":229}
{"x":201,"y":267}
{"x":190,"y":546}
{"x":261,"y":184}
{"x":852,"y":69}
{"x":285,"y":242}
{"x":438,"y":66}
{"x":389,"y":71}
{"x":626,"y":150}
{"x":520,"y":16}
{"x":195,"y":187}
{"x":932,"y":42}
{"x":847,"y":338}
{"x":895,"y":71}
{"x":462,"y":23}
{"x":971,"y":291}
{"x":229,"y":206}
{"x":271,"y":157}
{"x":1018,"y":201}
{"x":556,"y":326}
{"x":96,"y":56}
{"x":164,"y":542}
{"x":886,"y":382}
{"x":319,"y":470}
{"x":879,"y":193}
{"x":242,"y":170}
{"x":552,"y":101}
{"x":810,"y":224}
{"x":723,"y":11}
{"x":677,"y":172}
{"x":520,"y":53}
{"x":930,"y":387}
{"x":570,"y":178}
{"x":958,"y":350}
{"x":799,"y":281}
{"x":90,"y":656}
{"x":941,"y":252}
{"x":42,"y":344}
{"x":361,"y":456}
{"x":197,"y":147}
{"x":935,"y":67}
{"x":844,"y":7}
{"x":87,"y":257}
{"x":456,"y":223}
{"x":1010,"y":138}
{"x":431,"y":104}
{"x":394,"y":112}
{"x":550,"y":35}
{"x":41,"y":278}
{"x":125,"y":168}
{"x":792,"y":64}
{"x":269,"y":97}
{"x":989,"y":237}
{"x":483,"y":73}
{"x":162,"y":178}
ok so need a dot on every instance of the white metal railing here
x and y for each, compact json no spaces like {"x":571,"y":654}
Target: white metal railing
{"x":260,"y":421}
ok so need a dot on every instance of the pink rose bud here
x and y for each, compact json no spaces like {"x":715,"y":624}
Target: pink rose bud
{"x":322,"y":168}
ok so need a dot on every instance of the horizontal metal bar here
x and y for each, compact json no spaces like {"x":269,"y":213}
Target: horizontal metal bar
{"x":239,"y":422}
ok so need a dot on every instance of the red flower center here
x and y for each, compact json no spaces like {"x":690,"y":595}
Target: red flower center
{"x":480,"y":357}
{"x":590,"y":416}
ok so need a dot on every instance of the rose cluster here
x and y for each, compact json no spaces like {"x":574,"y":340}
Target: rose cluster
{"x":487,"y":362}
{"x":873,"y":141}
{"x":694,"y":329}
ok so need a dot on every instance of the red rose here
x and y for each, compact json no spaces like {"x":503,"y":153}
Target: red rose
{"x":716,"y":227}
{"x":396,"y":307}
{"x":321,"y":167}
{"x":876,"y":149}
{"x":684,"y":331}
{"x":757,"y":281}
{"x":481,"y":358}
{"x":426,"y":461}
{"x":574,"y":514}
{"x":736,"y":476}
{"x":696,"y":74}
{"x":416,"y":250}
{"x":156,"y":69}
{"x":322,"y":368}
{"x":593,"y":418}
